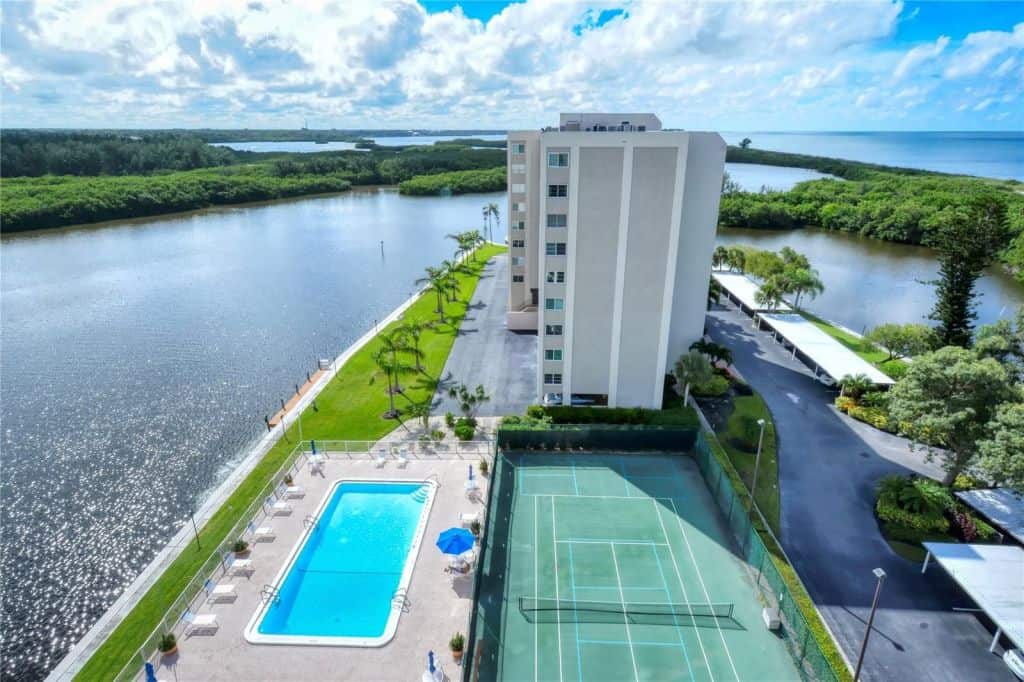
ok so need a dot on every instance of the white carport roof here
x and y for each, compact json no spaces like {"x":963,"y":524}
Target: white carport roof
{"x":743,"y":288}
{"x":832,"y":357}
{"x":993,"y":576}
{"x":1003,"y":506}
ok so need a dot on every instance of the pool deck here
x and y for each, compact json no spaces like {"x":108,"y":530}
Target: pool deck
{"x":437,"y":607}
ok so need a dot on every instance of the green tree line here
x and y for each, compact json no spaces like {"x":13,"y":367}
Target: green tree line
{"x":456,"y":182}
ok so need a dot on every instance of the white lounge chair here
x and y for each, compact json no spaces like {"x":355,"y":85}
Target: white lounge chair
{"x":215,"y":593}
{"x":472,"y":488}
{"x":316,"y":464}
{"x":278,"y":507}
{"x":293,"y":491}
{"x":204,"y":622}
{"x":467,"y":518}
{"x":235,"y":566}
{"x":382,"y":458}
{"x":403,"y":458}
{"x":261,"y":533}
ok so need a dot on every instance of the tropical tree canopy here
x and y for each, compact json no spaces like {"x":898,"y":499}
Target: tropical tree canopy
{"x":691,"y":368}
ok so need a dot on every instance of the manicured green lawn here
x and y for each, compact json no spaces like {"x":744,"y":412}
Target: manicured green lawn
{"x":349,"y":408}
{"x":767,"y":494}
{"x":858,"y":345}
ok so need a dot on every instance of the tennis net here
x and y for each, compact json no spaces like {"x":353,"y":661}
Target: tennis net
{"x":540,"y":609}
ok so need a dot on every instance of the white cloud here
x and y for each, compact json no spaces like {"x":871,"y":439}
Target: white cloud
{"x":919,"y":55}
{"x":349,"y":63}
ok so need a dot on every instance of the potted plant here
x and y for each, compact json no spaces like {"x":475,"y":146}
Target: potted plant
{"x":474,"y":528}
{"x":168,"y":644}
{"x":456,"y":644}
{"x":240,"y":548}
{"x":484,"y":466}
{"x":288,"y":480}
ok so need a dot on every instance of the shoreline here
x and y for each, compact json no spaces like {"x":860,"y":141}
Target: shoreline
{"x":82,"y":651}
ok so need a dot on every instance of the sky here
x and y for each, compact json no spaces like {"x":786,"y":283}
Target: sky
{"x":734,"y":66}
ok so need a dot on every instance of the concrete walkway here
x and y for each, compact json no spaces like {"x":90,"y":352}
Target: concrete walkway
{"x":828,"y":467}
{"x":486,"y":352}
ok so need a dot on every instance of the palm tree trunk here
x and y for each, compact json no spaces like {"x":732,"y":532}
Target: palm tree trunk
{"x":391,"y":396}
{"x":686,"y":394}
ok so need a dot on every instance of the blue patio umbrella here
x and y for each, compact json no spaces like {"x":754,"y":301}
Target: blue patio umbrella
{"x":455,"y":541}
{"x":430,"y":662}
{"x":150,"y":673}
{"x":312,"y":444}
{"x":471,"y":472}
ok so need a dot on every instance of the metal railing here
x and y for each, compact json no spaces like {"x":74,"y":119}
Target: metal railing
{"x":364,"y":449}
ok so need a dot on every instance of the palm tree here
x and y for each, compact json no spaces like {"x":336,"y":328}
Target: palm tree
{"x":412,"y":331}
{"x":714,"y":292}
{"x":801,"y":281}
{"x":854,"y":385}
{"x":463,"y":244}
{"x":421,"y":411}
{"x":737,"y":260}
{"x":487,"y":218}
{"x":496,"y":215}
{"x":770,"y":294}
{"x":719,"y":257}
{"x":436,"y":281}
{"x":452,"y":270}
{"x":474,"y":239}
{"x":692,"y":368}
{"x":390,"y":361}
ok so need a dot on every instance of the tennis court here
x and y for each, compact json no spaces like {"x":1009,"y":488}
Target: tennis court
{"x":621,"y":568}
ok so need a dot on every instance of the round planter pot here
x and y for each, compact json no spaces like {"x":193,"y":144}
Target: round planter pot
{"x":457,"y":656}
{"x":243,"y":554}
{"x":170,"y":652}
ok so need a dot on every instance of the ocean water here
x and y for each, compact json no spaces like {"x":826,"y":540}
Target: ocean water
{"x":988,"y":154}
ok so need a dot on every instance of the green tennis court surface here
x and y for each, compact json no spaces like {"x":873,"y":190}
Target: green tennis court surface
{"x":621,"y":568}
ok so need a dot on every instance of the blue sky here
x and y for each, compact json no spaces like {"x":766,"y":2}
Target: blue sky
{"x":760,"y":65}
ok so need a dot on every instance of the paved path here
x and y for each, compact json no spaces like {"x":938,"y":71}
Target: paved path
{"x":828,"y":466}
{"x":486,"y":352}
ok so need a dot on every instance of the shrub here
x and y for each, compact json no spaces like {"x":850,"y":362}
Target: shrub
{"x":536,"y":412}
{"x":449,"y":420}
{"x":717,"y":386}
{"x":239,"y":546}
{"x":875,"y":416}
{"x":844,"y":403}
{"x":743,"y":389}
{"x":875,"y":399}
{"x":437,"y":435}
{"x":967,"y":482}
{"x":484,"y":466}
{"x":963,"y":526}
{"x":511,"y":419}
{"x":986,"y":533}
{"x":893,"y":514}
{"x":914,"y":503}
{"x":167,"y":642}
{"x":457,"y":642}
{"x":464,"y":431}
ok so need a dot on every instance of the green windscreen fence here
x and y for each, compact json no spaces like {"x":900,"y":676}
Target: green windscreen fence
{"x":800,"y":641}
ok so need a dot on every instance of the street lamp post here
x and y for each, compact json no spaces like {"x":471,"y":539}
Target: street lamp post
{"x":880,"y":574}
{"x":757,"y":462}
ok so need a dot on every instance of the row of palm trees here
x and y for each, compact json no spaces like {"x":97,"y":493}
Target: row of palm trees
{"x":491,"y":211}
{"x":399,"y":353}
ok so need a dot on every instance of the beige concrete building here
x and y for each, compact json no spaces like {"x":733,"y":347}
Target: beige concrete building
{"x":612,"y":225}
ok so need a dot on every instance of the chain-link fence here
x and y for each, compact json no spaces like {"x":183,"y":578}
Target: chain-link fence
{"x":799,"y":638}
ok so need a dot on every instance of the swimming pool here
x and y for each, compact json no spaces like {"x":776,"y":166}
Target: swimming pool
{"x":338,"y":585}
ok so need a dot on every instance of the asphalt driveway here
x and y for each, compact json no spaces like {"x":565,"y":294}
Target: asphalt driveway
{"x":486,"y":352}
{"x":828,"y":467}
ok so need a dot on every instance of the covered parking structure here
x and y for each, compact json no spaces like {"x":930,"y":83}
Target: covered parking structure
{"x":992,"y":576}
{"x":1003,"y":507}
{"x":819,"y":350}
{"x":741,"y":290}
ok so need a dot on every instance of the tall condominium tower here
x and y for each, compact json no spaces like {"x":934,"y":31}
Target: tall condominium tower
{"x":611,"y":228}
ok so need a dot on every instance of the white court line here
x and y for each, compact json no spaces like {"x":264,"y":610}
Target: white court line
{"x":622,"y":597}
{"x":668,"y":593}
{"x":597,"y":541}
{"x":558,"y":612}
{"x":705,"y":589}
{"x":599,"y":497}
{"x":686,"y":597}
{"x":536,"y":594}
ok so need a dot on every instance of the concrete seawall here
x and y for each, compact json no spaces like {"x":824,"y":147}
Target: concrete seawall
{"x":108,"y":622}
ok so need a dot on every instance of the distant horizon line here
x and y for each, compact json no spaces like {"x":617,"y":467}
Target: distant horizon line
{"x":483,"y":131}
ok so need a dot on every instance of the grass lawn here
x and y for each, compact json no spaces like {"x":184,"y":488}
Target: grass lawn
{"x":865,"y":350}
{"x":349,"y":408}
{"x":767,"y":494}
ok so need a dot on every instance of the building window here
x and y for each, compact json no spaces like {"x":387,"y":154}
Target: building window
{"x":518,"y":260}
{"x":554,"y":379}
{"x":519,"y":225}
{"x":554,"y":304}
{"x":557,"y":191}
{"x":518,"y":167}
{"x":518,"y":187}
{"x":518,"y":206}
{"x":518,"y":147}
{"x":555,"y":248}
{"x":554,"y":354}
{"x":558,"y":159}
{"x":518,"y":244}
{"x":517,"y":278}
{"x":557,"y":220}
{"x":556,"y":277}
{"x":553,"y":330}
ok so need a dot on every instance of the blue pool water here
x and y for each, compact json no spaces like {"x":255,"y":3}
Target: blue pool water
{"x":342,"y":582}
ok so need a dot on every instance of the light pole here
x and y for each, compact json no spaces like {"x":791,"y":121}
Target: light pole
{"x":880,"y":574}
{"x":757,"y":462}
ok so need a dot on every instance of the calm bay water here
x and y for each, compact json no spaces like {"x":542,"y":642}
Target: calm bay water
{"x":869,"y":282}
{"x":297,"y":146}
{"x":992,"y":155}
{"x":138,"y":361}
